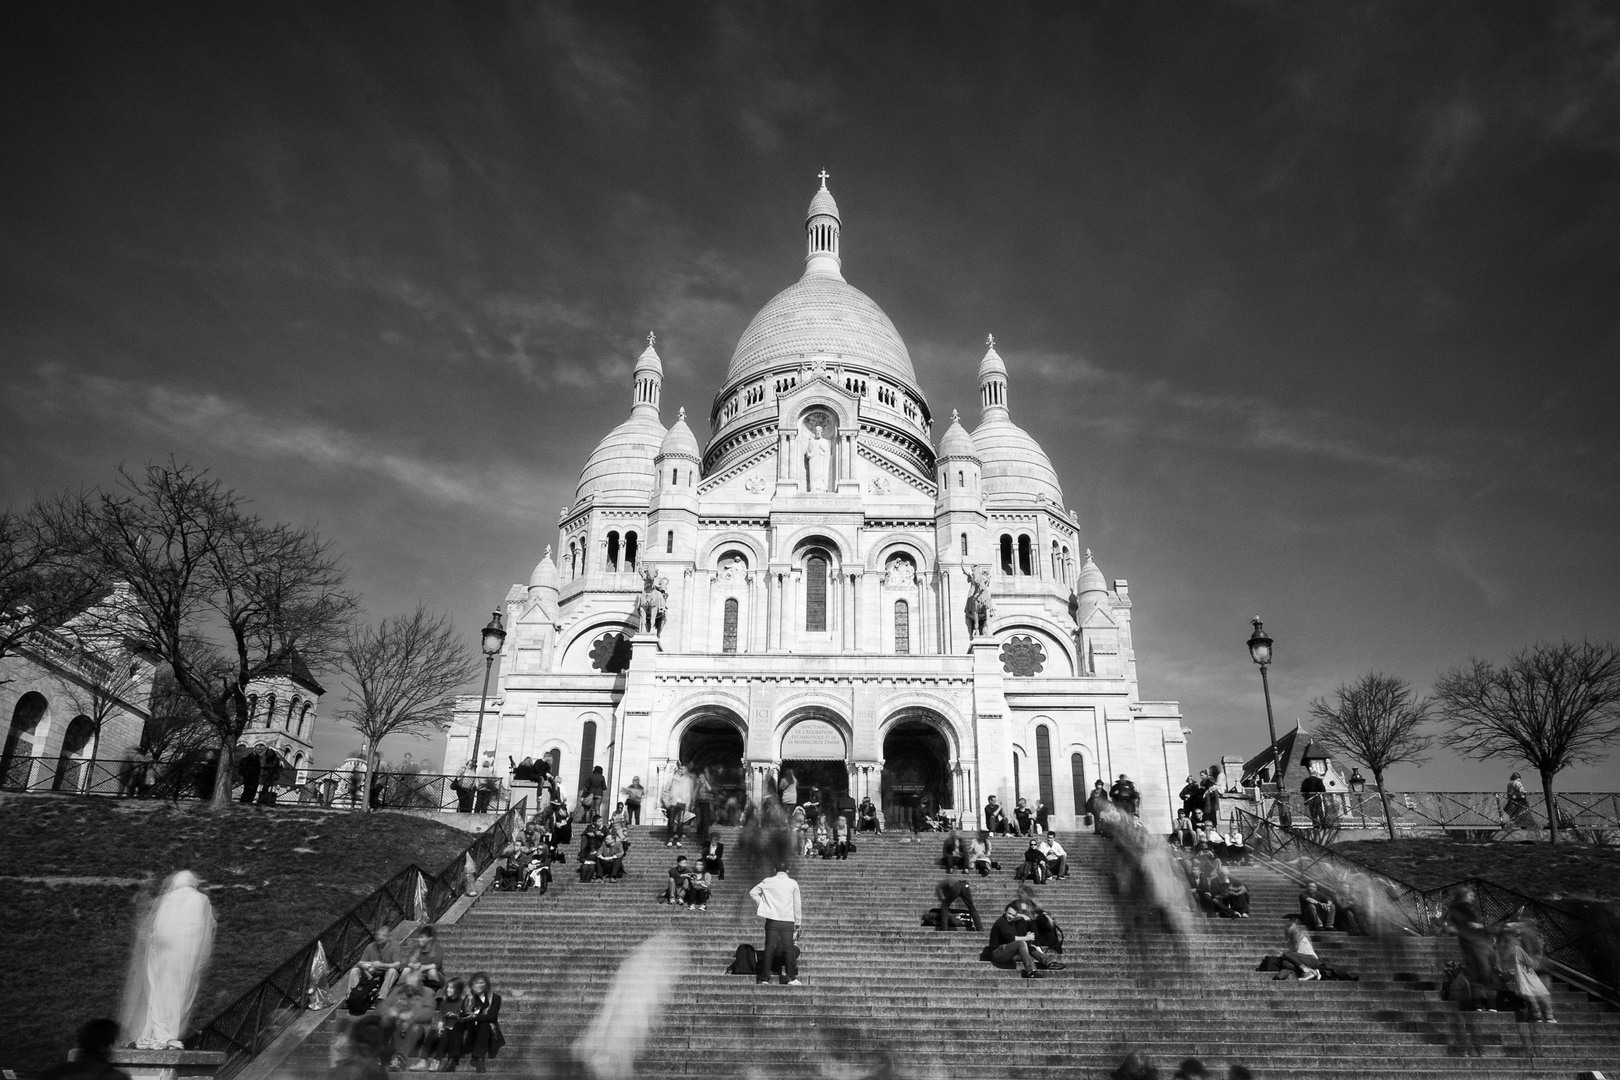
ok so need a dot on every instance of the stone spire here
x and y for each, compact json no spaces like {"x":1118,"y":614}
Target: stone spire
{"x":821,"y":230}
{"x":992,"y":381}
{"x":649,"y":378}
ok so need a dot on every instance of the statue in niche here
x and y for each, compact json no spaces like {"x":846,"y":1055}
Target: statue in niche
{"x":731,"y":568}
{"x":817,"y":461}
{"x":901,"y":572}
{"x":979,"y":610}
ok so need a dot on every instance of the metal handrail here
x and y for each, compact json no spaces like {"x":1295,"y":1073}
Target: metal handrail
{"x":248,"y":1025}
{"x":1473,"y":811}
{"x":1582,"y":952}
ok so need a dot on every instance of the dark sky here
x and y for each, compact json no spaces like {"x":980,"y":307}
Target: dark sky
{"x":1315,"y":307}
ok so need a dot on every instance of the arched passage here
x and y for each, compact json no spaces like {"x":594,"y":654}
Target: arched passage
{"x":916,"y":770}
{"x":712,"y":744}
{"x":74,"y":741}
{"x":25,"y":718}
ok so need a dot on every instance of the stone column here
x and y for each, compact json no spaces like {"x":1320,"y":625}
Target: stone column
{"x":773,"y":611}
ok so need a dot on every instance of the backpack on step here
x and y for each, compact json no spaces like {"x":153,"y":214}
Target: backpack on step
{"x":587,"y":870}
{"x":746,"y":962}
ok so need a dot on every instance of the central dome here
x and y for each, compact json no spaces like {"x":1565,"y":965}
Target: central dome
{"x":820,"y":315}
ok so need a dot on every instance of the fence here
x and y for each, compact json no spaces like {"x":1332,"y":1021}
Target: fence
{"x":1417,"y":812}
{"x":1582,"y":952}
{"x":253,"y":1021}
{"x":338,"y":789}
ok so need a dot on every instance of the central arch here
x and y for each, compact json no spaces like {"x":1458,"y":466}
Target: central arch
{"x":814,"y":747}
{"x":711,"y":741}
{"x":917,"y":777}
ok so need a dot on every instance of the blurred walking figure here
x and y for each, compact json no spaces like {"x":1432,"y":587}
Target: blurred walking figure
{"x":89,"y":1061}
{"x":1478,"y":948}
{"x":171,"y":954}
{"x":1518,"y":956}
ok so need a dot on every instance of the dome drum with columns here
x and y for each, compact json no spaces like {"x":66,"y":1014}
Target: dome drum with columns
{"x":814,"y":565}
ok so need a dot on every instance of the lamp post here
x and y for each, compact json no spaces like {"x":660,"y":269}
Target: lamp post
{"x":1260,"y":652}
{"x":494,"y":638}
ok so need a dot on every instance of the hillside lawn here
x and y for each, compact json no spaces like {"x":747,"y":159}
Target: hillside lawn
{"x":276,"y":875}
{"x":1562,"y":871}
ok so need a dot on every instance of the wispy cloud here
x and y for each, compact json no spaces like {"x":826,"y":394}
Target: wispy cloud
{"x":249,"y":431}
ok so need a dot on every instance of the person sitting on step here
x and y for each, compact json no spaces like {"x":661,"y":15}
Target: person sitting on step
{"x":1047,"y":934}
{"x":1057,"y":859}
{"x":425,"y":956}
{"x":867,"y":819}
{"x":444,"y":1042}
{"x":821,"y":841}
{"x":1024,"y":816}
{"x":978,"y":854}
{"x":1012,"y":945}
{"x":1224,"y":894}
{"x":680,"y":880}
{"x":995,"y":818}
{"x":1315,"y":909}
{"x":1033,"y":868}
{"x":953,"y":854}
{"x":1300,"y":956}
{"x":713,"y":859}
{"x":610,"y":858}
{"x":842,"y":842}
{"x":699,"y":888}
{"x":948,"y":892}
{"x":380,"y":963}
{"x":409,"y":1014}
{"x":1183,"y":835}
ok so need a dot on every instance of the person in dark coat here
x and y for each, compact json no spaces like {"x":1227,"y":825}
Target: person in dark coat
{"x":481,"y":1031}
{"x":96,"y":1039}
{"x":270,"y":778}
{"x":248,"y":769}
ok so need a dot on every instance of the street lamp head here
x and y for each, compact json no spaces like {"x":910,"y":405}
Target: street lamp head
{"x":1259,"y":644}
{"x":494,"y":636}
{"x":1358,"y":783}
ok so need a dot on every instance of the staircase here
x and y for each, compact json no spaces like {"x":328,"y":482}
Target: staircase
{"x":881,"y":988}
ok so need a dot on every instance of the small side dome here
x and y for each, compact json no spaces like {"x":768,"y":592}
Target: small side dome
{"x":680,"y":442}
{"x":957,"y":443}
{"x":992,"y":364}
{"x":621,"y":466}
{"x":545,"y":574}
{"x":1091,"y":578}
{"x":1014,"y":463}
{"x":822,"y":203}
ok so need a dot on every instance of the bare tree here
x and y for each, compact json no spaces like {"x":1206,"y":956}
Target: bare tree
{"x":400,"y":674}
{"x":221,"y":597}
{"x":1375,"y":722}
{"x":177,"y":727}
{"x":1550,"y":706}
{"x":107,"y":685}
{"x":47,"y":574}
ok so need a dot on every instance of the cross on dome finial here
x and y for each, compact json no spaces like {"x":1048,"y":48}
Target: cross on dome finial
{"x":823,"y":174}
{"x":652,"y":338}
{"x":990,"y":341}
{"x":955,"y":416}
{"x":683,"y":413}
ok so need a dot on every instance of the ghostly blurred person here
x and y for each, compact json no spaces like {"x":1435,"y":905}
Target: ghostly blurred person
{"x":178,"y":943}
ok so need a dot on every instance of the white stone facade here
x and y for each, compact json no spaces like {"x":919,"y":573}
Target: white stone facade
{"x":817,"y":558}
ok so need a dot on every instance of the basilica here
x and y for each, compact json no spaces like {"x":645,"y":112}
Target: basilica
{"x":824,"y":586}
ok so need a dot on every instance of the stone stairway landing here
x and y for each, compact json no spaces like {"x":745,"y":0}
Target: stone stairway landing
{"x":881,"y":987}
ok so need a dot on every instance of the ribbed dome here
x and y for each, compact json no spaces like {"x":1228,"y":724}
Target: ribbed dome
{"x":621,"y":466}
{"x":822,"y":316}
{"x":957,"y":442}
{"x":822,"y":203}
{"x":680,"y":440}
{"x":992,"y":364}
{"x":1014,"y":463}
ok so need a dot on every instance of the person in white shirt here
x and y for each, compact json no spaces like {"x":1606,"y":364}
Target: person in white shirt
{"x":778,"y":903}
{"x":1057,"y":860}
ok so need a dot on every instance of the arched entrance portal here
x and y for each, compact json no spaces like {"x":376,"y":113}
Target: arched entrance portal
{"x":916,"y":771}
{"x":713,"y":745}
{"x":15,"y":765}
{"x":816,"y":754}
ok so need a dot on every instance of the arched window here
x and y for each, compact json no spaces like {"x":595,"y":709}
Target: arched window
{"x":629,"y":551}
{"x":554,"y":756}
{"x":964,"y":545}
{"x":1068,"y":563}
{"x":587,"y":753}
{"x":269,"y":710}
{"x":1018,"y":788}
{"x":304,"y":722}
{"x":674,"y":477}
{"x":669,"y":542}
{"x":1077,"y":776}
{"x":728,"y":633}
{"x":78,"y":736}
{"x":815,"y":593}
{"x":612,"y":552}
{"x":253,"y":708}
{"x":902,"y":627}
{"x":292,"y":707}
{"x":960,"y":482}
{"x":1006,"y":554}
{"x":1043,"y":763}
{"x":1026,"y":558}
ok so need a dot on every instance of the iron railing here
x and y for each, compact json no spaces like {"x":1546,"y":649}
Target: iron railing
{"x":1418,"y":812}
{"x":1581,"y":951}
{"x":338,"y":789}
{"x":248,"y":1025}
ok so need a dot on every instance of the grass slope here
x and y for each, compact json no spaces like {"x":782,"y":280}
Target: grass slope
{"x":1548,"y":871}
{"x":276,"y":876}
